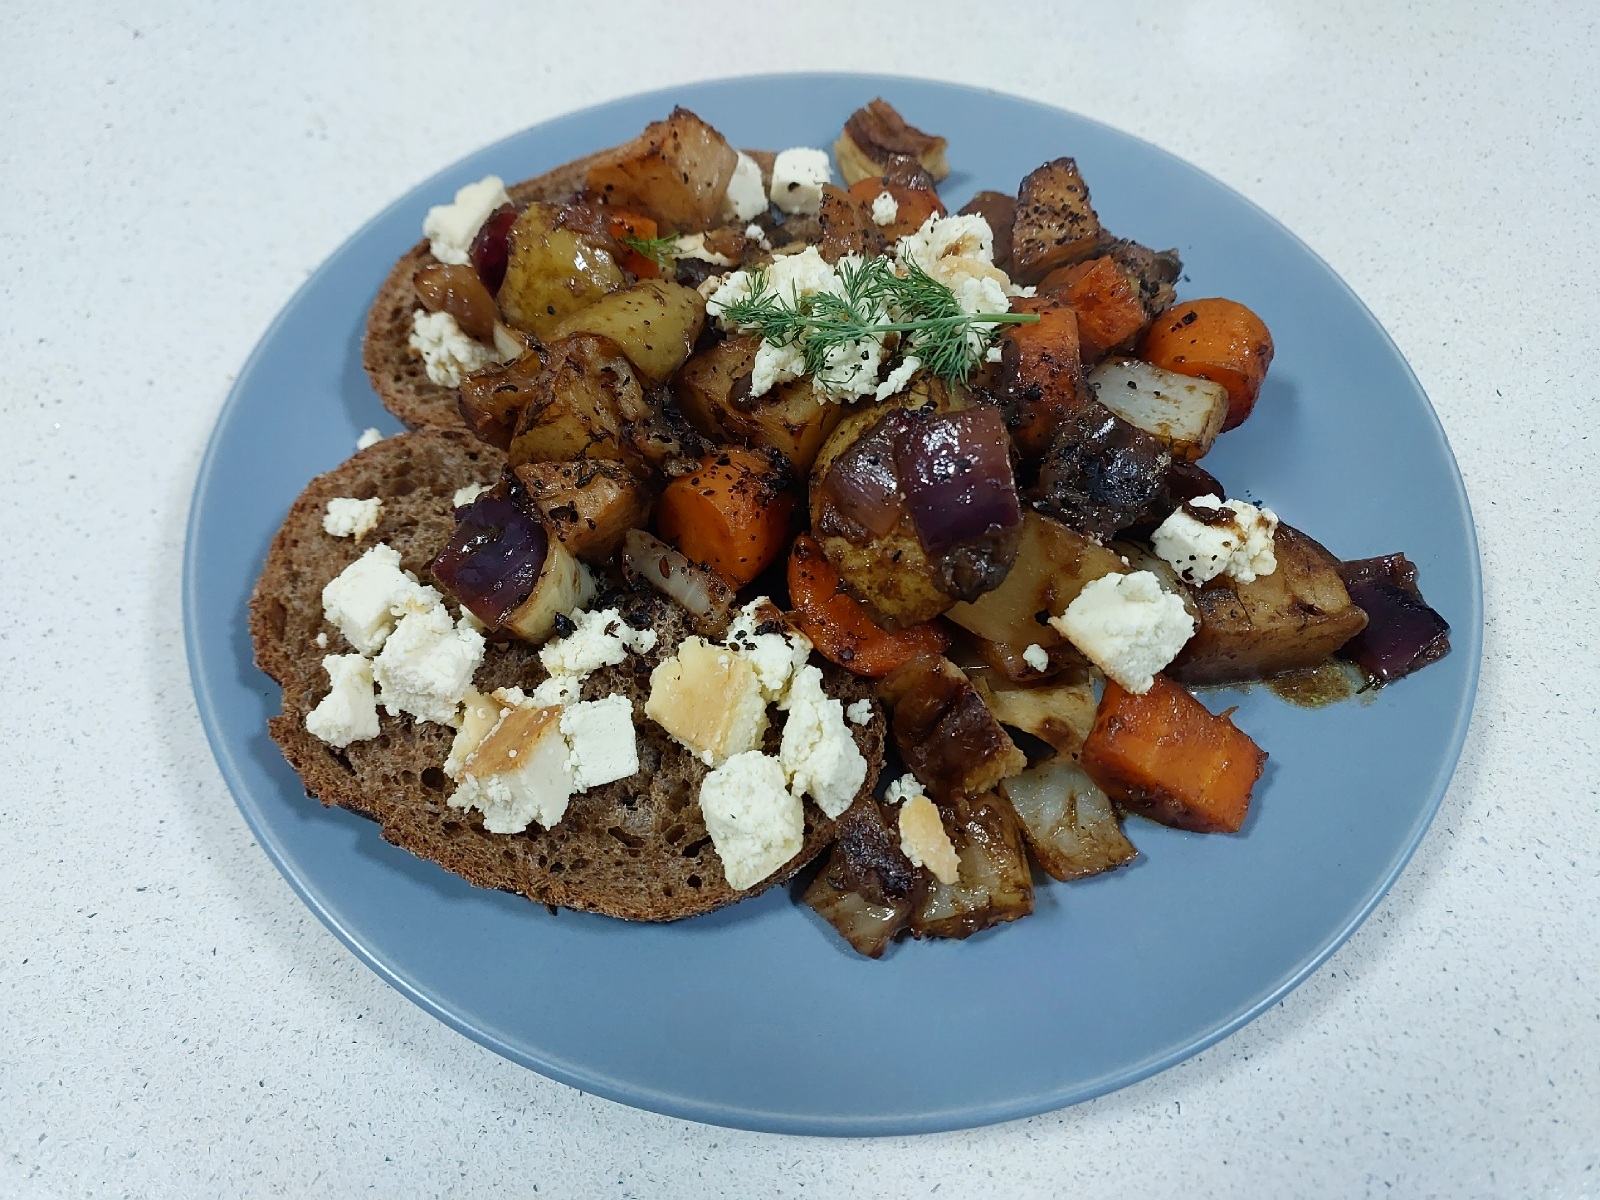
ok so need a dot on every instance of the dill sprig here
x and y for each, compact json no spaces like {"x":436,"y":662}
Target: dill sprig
{"x":873,"y":300}
{"x":661,"y":250}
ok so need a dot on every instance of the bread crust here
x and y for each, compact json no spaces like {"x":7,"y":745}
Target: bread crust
{"x":635,"y":849}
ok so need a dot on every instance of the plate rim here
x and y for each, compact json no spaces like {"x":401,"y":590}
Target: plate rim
{"x":1466,"y":632}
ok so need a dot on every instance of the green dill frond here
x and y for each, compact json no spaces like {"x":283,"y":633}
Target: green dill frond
{"x":661,"y":250}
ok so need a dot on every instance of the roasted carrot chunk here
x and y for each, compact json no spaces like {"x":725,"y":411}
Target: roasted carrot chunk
{"x":1164,"y":756}
{"x":730,"y":513}
{"x":1219,"y":340}
{"x":1043,"y":373}
{"x":627,"y":224}
{"x":914,"y":205}
{"x":840,"y":628}
{"x":1105,"y":299}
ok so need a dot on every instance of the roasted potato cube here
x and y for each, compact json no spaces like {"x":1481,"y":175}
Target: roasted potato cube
{"x":1055,"y":224}
{"x":946,"y":733}
{"x":713,"y":391}
{"x":1164,"y":756}
{"x":589,"y":505}
{"x":1185,"y":413}
{"x":655,"y":323}
{"x":1059,"y":714}
{"x":552,"y":271}
{"x":1293,"y":618}
{"x":491,"y":400}
{"x":579,"y":405}
{"x":868,"y":887}
{"x":874,"y":135}
{"x":994,"y":885}
{"x":676,"y":171}
{"x":847,"y":227}
{"x":1069,"y":823}
{"x":1052,"y":566}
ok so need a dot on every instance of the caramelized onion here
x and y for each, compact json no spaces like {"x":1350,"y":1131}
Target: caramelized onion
{"x":493,"y":561}
{"x":491,"y":247}
{"x":457,"y":290}
{"x":1403,"y":633}
{"x":707,"y":596}
{"x":955,"y":470}
{"x":862,"y":487}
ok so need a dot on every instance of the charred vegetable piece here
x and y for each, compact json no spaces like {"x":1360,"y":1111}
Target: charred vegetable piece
{"x":492,"y":400}
{"x":1293,"y":618}
{"x":876,"y":134}
{"x":655,"y":323}
{"x":491,"y":247}
{"x":1055,"y":225}
{"x":1100,"y":473}
{"x":1183,"y":481}
{"x":1152,"y":272}
{"x":1164,"y":756}
{"x":589,"y":505}
{"x":1000,"y":210}
{"x":946,"y":733}
{"x":704,"y":594}
{"x":457,"y":290}
{"x":1041,"y":374}
{"x":731,"y":513}
{"x":1403,"y":634}
{"x":847,"y":227}
{"x":1214,"y":339}
{"x":1110,"y":311}
{"x":840,"y":628}
{"x":713,"y":390}
{"x":1058,"y":714}
{"x":581,"y":405}
{"x":913,"y":205}
{"x":1052,"y":566}
{"x":551,"y":271}
{"x":1184,"y":412}
{"x":676,"y":171}
{"x":1069,"y":823}
{"x":868,"y":887}
{"x":994,"y":885}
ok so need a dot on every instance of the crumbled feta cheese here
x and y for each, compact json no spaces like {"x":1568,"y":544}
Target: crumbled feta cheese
{"x":363,"y":601}
{"x":747,"y":195}
{"x":797,"y":178}
{"x":756,"y":823}
{"x":369,"y":437}
{"x":351,"y":518}
{"x":479,"y":714}
{"x":1037,"y":657}
{"x":757,"y":235}
{"x":426,"y":665}
{"x":693,"y":245}
{"x":348,"y":713}
{"x":558,"y":690}
{"x":860,"y":713}
{"x":1128,"y":626}
{"x":448,"y":354}
{"x":993,"y":354}
{"x":450,"y":228}
{"x":602,"y":746}
{"x":776,"y":656}
{"x":961,"y":236}
{"x":1240,"y":546}
{"x":903,"y":789}
{"x":709,"y":699}
{"x":924,"y":841}
{"x":817,"y":752}
{"x":322,"y":639}
{"x":519,"y":773}
{"x":598,"y":639}
{"x":897,"y":379}
{"x":466,"y":495}
{"x":885,"y":209}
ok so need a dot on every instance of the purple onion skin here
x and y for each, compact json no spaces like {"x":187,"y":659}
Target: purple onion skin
{"x":955,"y":471}
{"x":491,"y":248}
{"x":862,"y":486}
{"x":493,"y":560}
{"x":1403,"y":633}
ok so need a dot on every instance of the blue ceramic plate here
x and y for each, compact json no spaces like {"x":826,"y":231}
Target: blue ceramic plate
{"x":759,"y":1016}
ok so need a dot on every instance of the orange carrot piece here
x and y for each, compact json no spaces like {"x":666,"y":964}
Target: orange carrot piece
{"x":1219,"y":340}
{"x":840,"y":628}
{"x":1165,"y":756}
{"x":731,"y":513}
{"x":916,"y":205}
{"x":1048,"y":383}
{"x":627,"y":224}
{"x":1108,"y":308}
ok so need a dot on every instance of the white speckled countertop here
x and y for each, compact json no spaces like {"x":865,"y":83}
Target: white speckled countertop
{"x":176,"y":1023}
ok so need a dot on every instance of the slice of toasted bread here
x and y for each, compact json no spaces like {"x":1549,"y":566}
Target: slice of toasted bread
{"x":637,"y":848}
{"x":396,"y":370}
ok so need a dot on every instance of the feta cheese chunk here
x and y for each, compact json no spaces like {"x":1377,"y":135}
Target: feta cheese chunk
{"x":1128,"y":626}
{"x":351,"y":518}
{"x":903,"y":789}
{"x":897,"y":379}
{"x":558,"y":690}
{"x":466,"y":495}
{"x":519,"y":773}
{"x":886,"y":210}
{"x":756,"y":823}
{"x":364,"y":599}
{"x":448,"y":354}
{"x":348,"y":713}
{"x":747,"y":194}
{"x":797,"y":178}
{"x":960,"y":236}
{"x":924,"y":841}
{"x":709,"y":699}
{"x":450,"y":228}
{"x":601,"y":743}
{"x":479,"y":714}
{"x":860,"y":713}
{"x":776,"y":652}
{"x":369,"y":437}
{"x":1037,"y":657}
{"x":693,"y":245}
{"x":599,"y":639}
{"x":818,"y":753}
{"x":426,"y":665}
{"x":1237,"y":541}
{"x":757,"y":235}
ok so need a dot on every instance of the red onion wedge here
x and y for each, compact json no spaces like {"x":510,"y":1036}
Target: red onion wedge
{"x":1403,"y":634}
{"x":493,"y":561}
{"x":706,"y":595}
{"x":491,"y":247}
{"x":955,"y":469}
